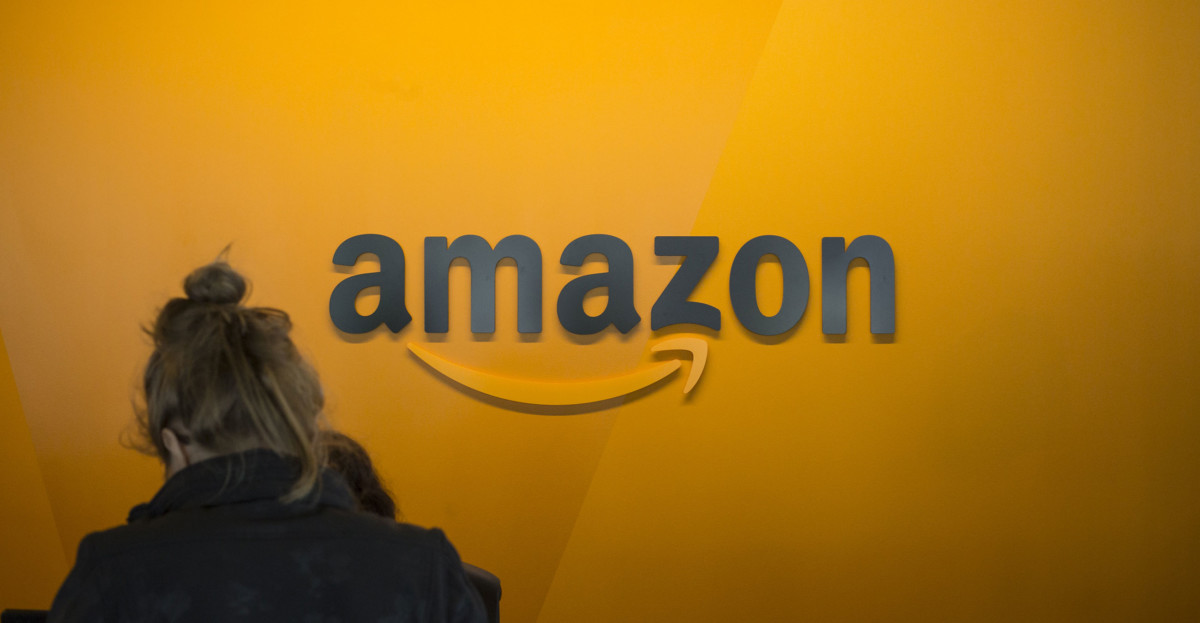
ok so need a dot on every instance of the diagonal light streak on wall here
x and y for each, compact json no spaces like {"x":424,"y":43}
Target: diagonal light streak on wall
{"x":769,"y":11}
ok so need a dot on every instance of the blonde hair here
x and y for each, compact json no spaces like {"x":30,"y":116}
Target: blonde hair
{"x":230,"y":377}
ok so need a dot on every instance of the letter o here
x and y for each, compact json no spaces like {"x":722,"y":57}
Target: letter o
{"x":743,"y":285}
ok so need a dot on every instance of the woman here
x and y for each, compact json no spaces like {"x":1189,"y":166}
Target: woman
{"x":248,"y":526}
{"x":347,"y":457}
{"x":350,"y":460}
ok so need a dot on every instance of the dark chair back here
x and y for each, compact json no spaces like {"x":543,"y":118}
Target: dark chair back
{"x":488,"y":587}
{"x":23,"y":616}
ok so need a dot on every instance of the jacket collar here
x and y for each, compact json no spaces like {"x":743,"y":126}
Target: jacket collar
{"x":244,"y":477}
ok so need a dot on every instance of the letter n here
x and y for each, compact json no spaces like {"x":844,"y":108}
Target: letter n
{"x":835,"y":264}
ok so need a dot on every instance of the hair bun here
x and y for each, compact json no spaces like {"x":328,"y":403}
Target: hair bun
{"x":215,"y":283}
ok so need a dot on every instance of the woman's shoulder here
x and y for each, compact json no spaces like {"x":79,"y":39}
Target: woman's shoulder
{"x":199,"y":531}
{"x":353,"y":524}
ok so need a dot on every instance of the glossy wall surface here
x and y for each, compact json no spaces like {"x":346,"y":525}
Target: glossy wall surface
{"x":1022,"y":448}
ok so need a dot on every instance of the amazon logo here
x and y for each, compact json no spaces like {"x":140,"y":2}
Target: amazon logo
{"x":672,"y":307}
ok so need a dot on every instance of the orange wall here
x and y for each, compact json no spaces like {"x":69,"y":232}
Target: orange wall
{"x":1022,"y":449}
{"x":29,"y":539}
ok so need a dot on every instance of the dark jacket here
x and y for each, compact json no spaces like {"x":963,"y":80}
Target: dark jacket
{"x":216,"y":544}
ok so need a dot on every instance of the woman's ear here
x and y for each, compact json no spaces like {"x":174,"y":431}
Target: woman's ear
{"x":177,"y":457}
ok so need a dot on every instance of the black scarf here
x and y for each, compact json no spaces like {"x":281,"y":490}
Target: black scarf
{"x":252,"y":478}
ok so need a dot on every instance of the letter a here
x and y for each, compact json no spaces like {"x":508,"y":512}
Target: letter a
{"x":618,"y":281}
{"x":390,"y":281}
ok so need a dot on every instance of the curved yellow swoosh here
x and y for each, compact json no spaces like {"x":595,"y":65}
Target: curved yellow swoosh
{"x":561,"y":393}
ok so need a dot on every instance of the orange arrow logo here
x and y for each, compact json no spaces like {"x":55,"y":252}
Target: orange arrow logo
{"x":562,"y":393}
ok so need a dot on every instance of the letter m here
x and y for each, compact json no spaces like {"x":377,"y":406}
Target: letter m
{"x":483,"y":260}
